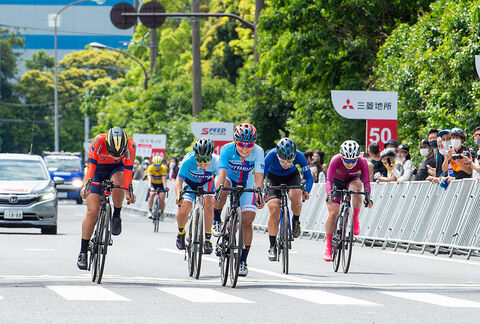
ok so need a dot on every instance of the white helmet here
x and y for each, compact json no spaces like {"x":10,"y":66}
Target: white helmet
{"x":349,"y":150}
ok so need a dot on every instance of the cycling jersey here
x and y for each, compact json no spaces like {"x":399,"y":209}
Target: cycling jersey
{"x":100,"y":161}
{"x":272,"y":165}
{"x":157,"y":175}
{"x":191,"y":174}
{"x":240,"y":171}
{"x":336,"y":170}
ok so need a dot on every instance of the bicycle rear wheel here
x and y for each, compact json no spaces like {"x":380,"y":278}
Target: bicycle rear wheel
{"x":285,"y":238}
{"x":236,"y":245}
{"x":104,"y":242}
{"x":337,"y":244}
{"x":189,"y":246}
{"x":198,"y":242}
{"x":348,"y":243}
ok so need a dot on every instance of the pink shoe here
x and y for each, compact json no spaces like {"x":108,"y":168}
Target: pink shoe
{"x":327,"y":256}
{"x":356,"y":226}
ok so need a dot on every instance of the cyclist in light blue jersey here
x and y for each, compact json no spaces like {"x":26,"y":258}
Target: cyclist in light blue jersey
{"x":280,"y":168}
{"x":198,"y":169}
{"x":242,"y":163}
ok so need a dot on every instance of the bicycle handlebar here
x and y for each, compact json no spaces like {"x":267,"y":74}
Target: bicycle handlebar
{"x":197,"y":192}
{"x":239,"y":189}
{"x":107,"y":185}
{"x":351,"y":192}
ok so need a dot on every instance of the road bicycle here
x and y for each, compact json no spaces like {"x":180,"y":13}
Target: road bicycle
{"x":230,"y":243}
{"x":284,"y":236}
{"x":102,"y":236}
{"x":343,"y":238}
{"x":195,"y":231}
{"x":157,"y":214}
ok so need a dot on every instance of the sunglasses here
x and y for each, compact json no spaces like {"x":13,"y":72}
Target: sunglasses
{"x":350,"y":161}
{"x":157,"y":165}
{"x":285,"y":161}
{"x":245,"y":144}
{"x":203,"y":159}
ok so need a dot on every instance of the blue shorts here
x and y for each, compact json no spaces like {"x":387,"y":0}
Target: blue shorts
{"x":247,"y":199}
{"x":104,"y":172}
{"x":207,"y":186}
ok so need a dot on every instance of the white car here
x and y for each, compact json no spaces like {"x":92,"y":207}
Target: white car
{"x":28,"y":197}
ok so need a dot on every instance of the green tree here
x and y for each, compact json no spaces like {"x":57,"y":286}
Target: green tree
{"x":40,"y":61}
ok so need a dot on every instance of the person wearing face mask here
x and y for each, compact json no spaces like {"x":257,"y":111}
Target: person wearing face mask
{"x":388,"y":159}
{"x":455,"y":155}
{"x":427,"y":152}
{"x":403,"y":156}
{"x":173,"y":168}
{"x":474,"y":159}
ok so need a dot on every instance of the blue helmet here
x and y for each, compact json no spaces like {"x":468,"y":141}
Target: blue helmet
{"x":245,"y":133}
{"x":286,"y":149}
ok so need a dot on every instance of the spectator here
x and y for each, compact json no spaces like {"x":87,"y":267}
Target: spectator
{"x":322,"y":176}
{"x":308,"y":156}
{"x":426,"y":150}
{"x":173,"y":168}
{"x":145,"y":165}
{"x":406,"y":172}
{"x":442,"y":142}
{"x":388,"y":160}
{"x":432,"y":138}
{"x":316,"y":164}
{"x":378,"y":167}
{"x":137,"y":171}
{"x":458,"y":155}
{"x":476,"y":138}
{"x":391,"y":143}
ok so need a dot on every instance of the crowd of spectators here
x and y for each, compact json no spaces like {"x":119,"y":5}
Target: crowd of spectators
{"x":140,"y":169}
{"x":318,"y":168}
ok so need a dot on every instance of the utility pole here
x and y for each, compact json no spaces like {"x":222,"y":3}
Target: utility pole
{"x":259,"y":5}
{"x":0,"y":94}
{"x":153,"y":50}
{"x":197,"y":67}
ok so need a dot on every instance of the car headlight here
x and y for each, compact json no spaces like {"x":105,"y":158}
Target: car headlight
{"x":48,"y":196}
{"x":77,"y":183}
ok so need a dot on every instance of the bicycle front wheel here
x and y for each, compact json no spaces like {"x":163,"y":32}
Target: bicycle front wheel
{"x":156,"y":214}
{"x":337,"y":244}
{"x":348,"y":243}
{"x":198,"y":242}
{"x":223,"y":251}
{"x":104,"y":241}
{"x":236,"y":245}
{"x":285,"y":242}
{"x":189,"y":246}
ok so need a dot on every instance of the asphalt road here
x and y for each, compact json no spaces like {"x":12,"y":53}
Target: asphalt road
{"x":146,"y":281}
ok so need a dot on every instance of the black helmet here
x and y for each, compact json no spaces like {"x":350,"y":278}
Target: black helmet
{"x":116,"y":142}
{"x":203,"y":147}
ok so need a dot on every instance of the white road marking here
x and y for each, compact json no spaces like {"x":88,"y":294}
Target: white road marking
{"x":267,"y":272}
{"x":322,"y":297}
{"x":34,"y":249}
{"x":204,"y":295}
{"x":474,"y":263}
{"x":87,"y":293}
{"x":433,"y":299}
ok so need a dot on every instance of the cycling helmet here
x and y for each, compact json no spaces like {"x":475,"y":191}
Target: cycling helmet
{"x":146,"y":162}
{"x":245,"y":133}
{"x":157,"y":160}
{"x":116,"y":142}
{"x":203,"y":147}
{"x":286,"y":149}
{"x":349,"y":150}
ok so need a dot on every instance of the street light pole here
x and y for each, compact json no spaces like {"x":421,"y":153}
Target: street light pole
{"x":55,"y":96}
{"x":102,"y":46}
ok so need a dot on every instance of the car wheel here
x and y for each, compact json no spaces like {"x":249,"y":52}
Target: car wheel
{"x":49,"y":229}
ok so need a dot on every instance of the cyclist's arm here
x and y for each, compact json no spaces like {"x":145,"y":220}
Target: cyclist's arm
{"x":334,"y":164}
{"x":164,"y":181}
{"x":178,"y":187}
{"x":222,"y":175}
{"x":365,"y":176}
{"x":128,"y":163}
{"x":307,"y":174}
{"x":268,"y":161}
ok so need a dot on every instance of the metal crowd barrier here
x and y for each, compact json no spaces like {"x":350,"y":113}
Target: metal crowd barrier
{"x":410,"y":215}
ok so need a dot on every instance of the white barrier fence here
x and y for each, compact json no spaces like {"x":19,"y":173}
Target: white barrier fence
{"x":411,"y":215}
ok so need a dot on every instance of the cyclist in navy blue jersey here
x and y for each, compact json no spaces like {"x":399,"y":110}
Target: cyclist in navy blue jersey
{"x":281,"y":168}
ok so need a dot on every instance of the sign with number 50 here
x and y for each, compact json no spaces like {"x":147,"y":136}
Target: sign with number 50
{"x":380,"y":131}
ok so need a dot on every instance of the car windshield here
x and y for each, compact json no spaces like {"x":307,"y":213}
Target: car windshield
{"x":18,"y":170}
{"x":68,"y":165}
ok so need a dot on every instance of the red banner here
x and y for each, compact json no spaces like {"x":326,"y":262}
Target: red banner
{"x":380,"y":131}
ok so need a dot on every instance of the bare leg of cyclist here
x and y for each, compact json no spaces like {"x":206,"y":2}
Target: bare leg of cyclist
{"x":162,"y":201}
{"x":217,"y":210}
{"x":273,"y":220}
{"x":151,"y":196}
{"x":118,"y":195}
{"x":93,"y":207}
{"x":330,"y":224}
{"x":247,"y":221}
{"x":356,"y":204}
{"x":182,"y":217}
{"x":208,"y":212}
{"x":296,"y":201}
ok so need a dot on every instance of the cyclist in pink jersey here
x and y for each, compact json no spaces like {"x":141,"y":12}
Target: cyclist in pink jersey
{"x":347,"y":170}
